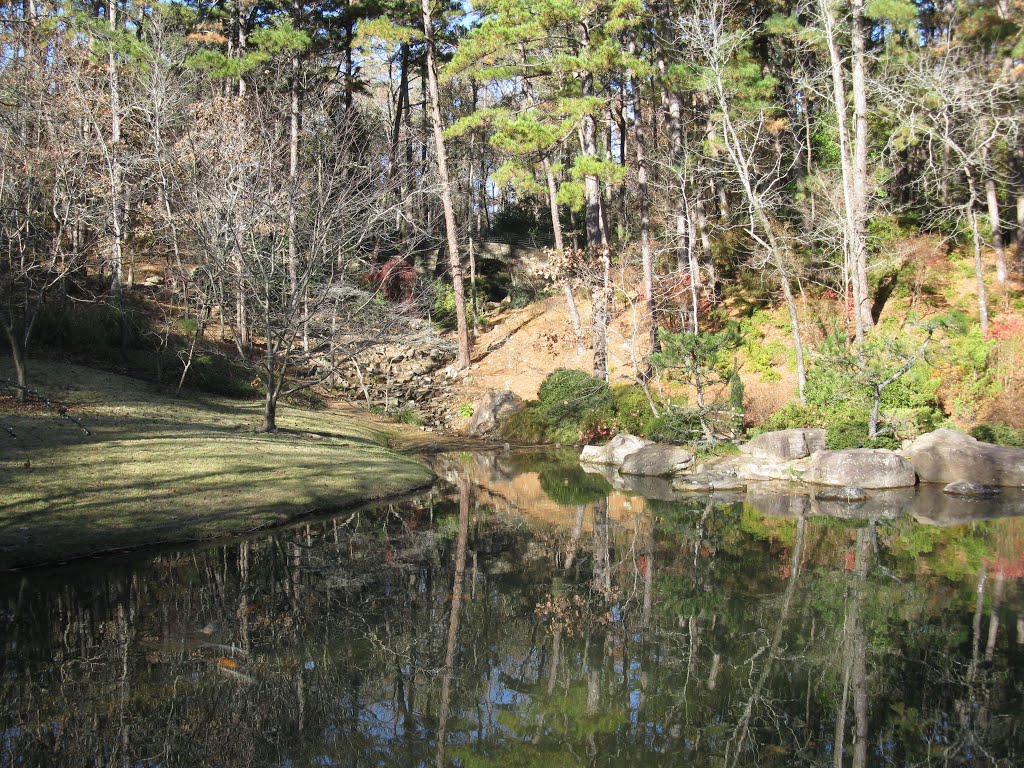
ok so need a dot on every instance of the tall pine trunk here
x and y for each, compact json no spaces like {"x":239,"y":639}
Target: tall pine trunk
{"x":858,"y":35}
{"x":646,"y":256}
{"x":556,"y":226}
{"x":454,"y":264}
{"x":597,"y":245}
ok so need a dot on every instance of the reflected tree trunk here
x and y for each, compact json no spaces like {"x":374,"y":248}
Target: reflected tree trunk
{"x":993,"y":618}
{"x":602,"y":580}
{"x":453,"y":619}
{"x":574,"y":540}
{"x":742,"y":729}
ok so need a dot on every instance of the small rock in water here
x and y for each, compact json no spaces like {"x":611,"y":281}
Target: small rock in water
{"x":847,"y":493}
{"x":964,"y":488}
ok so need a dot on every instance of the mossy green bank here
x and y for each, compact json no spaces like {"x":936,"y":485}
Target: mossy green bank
{"x":156,"y":469}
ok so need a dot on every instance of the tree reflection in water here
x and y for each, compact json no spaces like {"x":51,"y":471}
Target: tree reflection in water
{"x":527,"y":617}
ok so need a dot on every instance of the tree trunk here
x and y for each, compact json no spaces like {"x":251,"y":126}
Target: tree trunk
{"x":18,"y":357}
{"x":293,"y":175}
{"x":997,"y":235}
{"x":597,"y":245}
{"x":1018,"y":185}
{"x":1020,"y":225}
{"x":461,"y":542}
{"x":270,"y":406}
{"x":979,"y":267}
{"x":646,"y":256}
{"x":240,"y":24}
{"x":848,"y":163}
{"x":684,"y":240}
{"x":860,"y":162}
{"x":116,"y":255}
{"x":454,"y":264}
{"x":556,"y":226}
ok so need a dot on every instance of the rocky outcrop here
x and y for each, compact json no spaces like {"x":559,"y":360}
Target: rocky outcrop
{"x":415,"y":372}
{"x":657,"y":460}
{"x":948,"y":456}
{"x":496,"y":406}
{"x":860,"y":467}
{"x":785,"y":444}
{"x":614,"y":452}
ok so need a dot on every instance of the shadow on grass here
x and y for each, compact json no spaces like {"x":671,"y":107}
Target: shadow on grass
{"x":64,"y":510}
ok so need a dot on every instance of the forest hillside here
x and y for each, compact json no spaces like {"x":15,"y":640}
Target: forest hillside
{"x":688,"y":220}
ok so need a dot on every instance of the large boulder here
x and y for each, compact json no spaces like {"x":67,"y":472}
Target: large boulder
{"x":948,"y":456}
{"x":657,"y":460}
{"x":860,"y":467}
{"x":785,"y":444}
{"x":614,"y":452}
{"x":497,"y":405}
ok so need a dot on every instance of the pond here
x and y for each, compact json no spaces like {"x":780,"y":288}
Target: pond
{"x":524,"y":613}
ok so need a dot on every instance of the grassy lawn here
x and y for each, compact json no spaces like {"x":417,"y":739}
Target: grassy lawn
{"x":158,"y":469}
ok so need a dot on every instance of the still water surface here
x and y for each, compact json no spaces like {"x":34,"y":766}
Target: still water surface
{"x":523,"y":613}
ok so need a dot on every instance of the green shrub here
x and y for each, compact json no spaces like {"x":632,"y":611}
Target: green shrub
{"x":306,"y":398}
{"x":791,"y":416}
{"x":882,"y":441}
{"x":853,"y":433}
{"x":408,"y":415}
{"x":632,"y":409}
{"x":566,"y":396}
{"x":677,"y":425}
{"x":443,"y":305}
{"x":526,"y":426}
{"x":849,"y":433}
{"x":598,"y":425}
{"x":736,"y":392}
{"x":1000,"y":434}
{"x":523,"y":295}
{"x":915,"y":389}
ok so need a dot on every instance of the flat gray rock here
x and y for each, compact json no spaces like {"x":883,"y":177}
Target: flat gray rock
{"x":614,"y":452}
{"x":785,"y":444}
{"x":657,"y":460}
{"x":861,"y":468}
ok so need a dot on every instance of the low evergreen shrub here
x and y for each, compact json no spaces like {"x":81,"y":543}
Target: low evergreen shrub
{"x":632,"y":409}
{"x":1000,"y":434}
